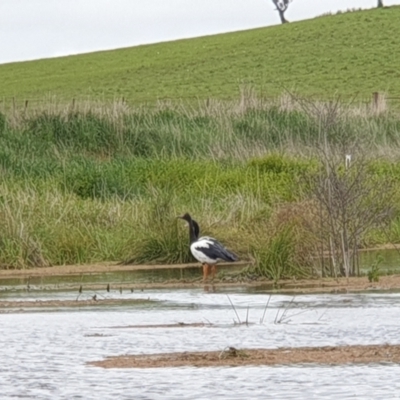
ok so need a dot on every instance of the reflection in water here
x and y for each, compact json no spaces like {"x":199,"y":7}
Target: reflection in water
{"x":44,"y":354}
{"x":209,"y":289}
{"x":388,"y":260}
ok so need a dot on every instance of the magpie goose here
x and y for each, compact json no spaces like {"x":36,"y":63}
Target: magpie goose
{"x":206,"y":250}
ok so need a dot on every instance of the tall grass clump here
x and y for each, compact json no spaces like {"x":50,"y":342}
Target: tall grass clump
{"x":274,"y":127}
{"x":283,"y":247}
{"x":165,"y":242}
{"x":87,"y":132}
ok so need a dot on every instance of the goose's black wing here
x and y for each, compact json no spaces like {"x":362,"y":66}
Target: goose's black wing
{"x":213,"y":249}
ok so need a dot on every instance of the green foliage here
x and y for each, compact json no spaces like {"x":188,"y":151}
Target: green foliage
{"x":166,"y":239}
{"x":274,"y":126}
{"x":85,"y":180}
{"x":282,"y":164}
{"x":87,"y":132}
{"x":344,"y":54}
{"x":374,"y":272}
{"x":165,"y":244}
{"x":280,"y":256}
{"x":3,"y":123}
{"x":89,"y":186}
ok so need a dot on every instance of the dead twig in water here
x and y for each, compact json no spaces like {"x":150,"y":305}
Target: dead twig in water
{"x":282,"y":318}
{"x":234,"y":309}
{"x":285,"y":318}
{"x":79,"y":292}
{"x":323,"y":314}
{"x":94,"y":297}
{"x":265,"y":310}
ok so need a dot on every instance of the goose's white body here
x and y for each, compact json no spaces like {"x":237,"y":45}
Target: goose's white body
{"x":204,"y":242}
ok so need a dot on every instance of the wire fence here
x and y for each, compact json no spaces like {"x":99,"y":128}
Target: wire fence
{"x":377,"y":102}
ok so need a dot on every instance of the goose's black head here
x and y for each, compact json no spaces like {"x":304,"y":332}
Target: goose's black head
{"x":194,"y":230}
{"x":186,"y":217}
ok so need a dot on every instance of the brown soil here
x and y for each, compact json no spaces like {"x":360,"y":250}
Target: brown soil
{"x":340,"y":285}
{"x":234,"y":357}
{"x":177,"y":325}
{"x":13,"y":306}
{"x":62,"y":270}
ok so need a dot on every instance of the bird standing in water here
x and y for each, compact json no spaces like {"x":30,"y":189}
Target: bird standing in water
{"x":206,"y":250}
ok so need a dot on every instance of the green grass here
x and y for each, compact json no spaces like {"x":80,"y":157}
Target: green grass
{"x":106,"y":184}
{"x":351,"y":54}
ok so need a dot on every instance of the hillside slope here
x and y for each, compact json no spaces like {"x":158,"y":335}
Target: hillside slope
{"x":348,"y":54}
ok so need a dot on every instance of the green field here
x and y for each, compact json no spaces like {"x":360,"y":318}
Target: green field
{"x":351,"y":54}
{"x":87,"y":177}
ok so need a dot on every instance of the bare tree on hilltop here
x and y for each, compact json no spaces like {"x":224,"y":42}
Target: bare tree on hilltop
{"x":282,"y":6}
{"x":380,"y":3}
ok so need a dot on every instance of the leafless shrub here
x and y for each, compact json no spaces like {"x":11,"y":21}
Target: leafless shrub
{"x":348,"y":199}
{"x":350,"y":202}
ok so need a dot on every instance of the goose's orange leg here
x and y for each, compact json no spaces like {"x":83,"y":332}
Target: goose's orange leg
{"x":205,"y":272}
{"x":213,"y":271}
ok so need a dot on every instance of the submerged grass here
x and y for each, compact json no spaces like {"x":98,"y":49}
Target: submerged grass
{"x":106,"y":183}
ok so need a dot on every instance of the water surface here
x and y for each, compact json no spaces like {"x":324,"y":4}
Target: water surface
{"x":44,"y":353}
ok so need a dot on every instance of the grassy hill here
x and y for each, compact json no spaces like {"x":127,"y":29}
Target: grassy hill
{"x":347,"y":54}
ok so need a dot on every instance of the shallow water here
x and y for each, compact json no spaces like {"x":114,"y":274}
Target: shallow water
{"x":44,"y":353}
{"x":112,"y":277}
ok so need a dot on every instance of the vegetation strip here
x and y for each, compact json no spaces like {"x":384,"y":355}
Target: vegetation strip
{"x":231,"y":357}
{"x":95,"y":187}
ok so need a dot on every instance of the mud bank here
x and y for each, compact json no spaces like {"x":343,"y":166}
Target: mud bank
{"x":232,"y":357}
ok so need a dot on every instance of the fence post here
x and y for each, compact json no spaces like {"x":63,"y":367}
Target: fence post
{"x":379,"y":105}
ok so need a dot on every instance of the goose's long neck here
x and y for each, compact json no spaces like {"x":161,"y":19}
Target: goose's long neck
{"x":192,"y":232}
